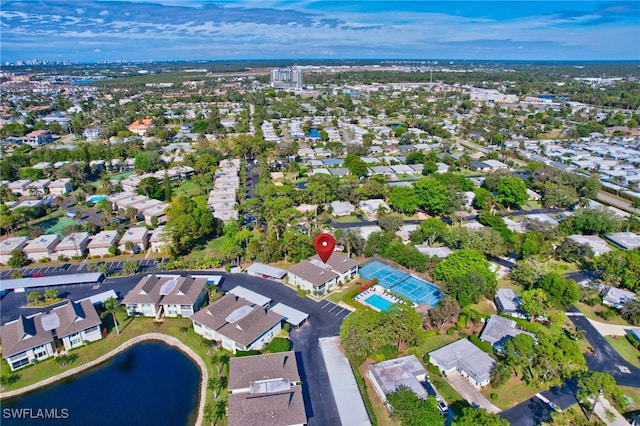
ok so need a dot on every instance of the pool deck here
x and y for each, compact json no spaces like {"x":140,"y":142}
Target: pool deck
{"x":379,"y":291}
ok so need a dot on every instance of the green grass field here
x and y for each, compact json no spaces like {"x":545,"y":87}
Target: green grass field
{"x":625,"y":349}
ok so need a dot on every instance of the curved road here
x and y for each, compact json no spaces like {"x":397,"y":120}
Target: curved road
{"x":606,"y":358}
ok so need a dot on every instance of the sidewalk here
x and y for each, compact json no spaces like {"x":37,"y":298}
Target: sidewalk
{"x":469,"y":392}
{"x":602,"y":405}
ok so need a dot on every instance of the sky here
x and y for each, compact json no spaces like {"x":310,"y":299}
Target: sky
{"x":98,"y":30}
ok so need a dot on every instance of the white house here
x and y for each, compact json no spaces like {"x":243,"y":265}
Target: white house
{"x":73,"y":245}
{"x":138,"y":237}
{"x":78,"y":323}
{"x":25,"y":340}
{"x":101,"y":242}
{"x":10,"y":244}
{"x":60,"y":186}
{"x":41,"y":247}
{"x":237,"y":324}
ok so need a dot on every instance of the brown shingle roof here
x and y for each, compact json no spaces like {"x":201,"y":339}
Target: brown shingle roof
{"x":312,"y":273}
{"x":243,"y":371}
{"x":23,"y":334}
{"x":338,"y":262}
{"x":273,"y":409}
{"x":244,"y":330}
{"x":75,"y":317}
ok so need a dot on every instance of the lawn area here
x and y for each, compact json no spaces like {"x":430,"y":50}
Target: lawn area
{"x":507,"y":283}
{"x":129,"y":328}
{"x":591,"y":313}
{"x":453,"y":398}
{"x":512,"y":393}
{"x":189,"y":189}
{"x":346,"y":219}
{"x":213,"y":248}
{"x":383,"y":417}
{"x":484,"y":307}
{"x":634,"y":393}
{"x":346,"y":295}
{"x":625,"y":349}
{"x":122,"y":175}
{"x":436,"y":342}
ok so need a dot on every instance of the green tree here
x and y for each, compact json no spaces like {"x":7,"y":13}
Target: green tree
{"x":535,"y":302}
{"x":511,"y":191}
{"x":50,"y":294}
{"x":563,"y":292}
{"x":466,"y":275}
{"x":403,"y":199}
{"x":432,"y":196}
{"x":410,"y":410}
{"x":33,"y":297}
{"x":18,"y":259}
{"x":478,"y":417}
{"x":188,"y":222}
{"x":131,"y":267}
{"x":592,"y":384}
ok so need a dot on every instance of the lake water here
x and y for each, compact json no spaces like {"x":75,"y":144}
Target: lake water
{"x":149,"y":384}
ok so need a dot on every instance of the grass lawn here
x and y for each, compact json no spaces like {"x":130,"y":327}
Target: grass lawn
{"x":346,"y":219}
{"x":188,"y":188}
{"x":346,"y":295}
{"x":213,"y":248}
{"x":383,"y":417}
{"x":122,"y":175}
{"x":625,"y":349}
{"x":129,"y":328}
{"x":634,"y":393}
{"x":436,"y":342}
{"x":512,"y":393}
{"x":591,"y":313}
{"x":484,"y":307}
{"x":507,"y":283}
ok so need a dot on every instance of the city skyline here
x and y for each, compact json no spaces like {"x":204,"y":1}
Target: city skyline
{"x":157,"y":30}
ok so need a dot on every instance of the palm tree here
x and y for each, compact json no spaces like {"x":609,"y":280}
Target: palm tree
{"x":110,"y":305}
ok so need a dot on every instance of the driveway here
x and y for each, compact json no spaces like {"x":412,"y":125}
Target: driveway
{"x":469,"y":392}
{"x":536,"y":409}
{"x":611,"y":329}
{"x":606,"y":359}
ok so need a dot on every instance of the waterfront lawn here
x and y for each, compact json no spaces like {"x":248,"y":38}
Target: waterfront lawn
{"x":180,"y":328}
{"x":625,"y":349}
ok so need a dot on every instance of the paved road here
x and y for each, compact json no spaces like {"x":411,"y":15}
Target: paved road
{"x":536,"y":409}
{"x":606,"y":358}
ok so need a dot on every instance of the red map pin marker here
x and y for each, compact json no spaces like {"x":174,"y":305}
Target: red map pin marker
{"x":324,"y":244}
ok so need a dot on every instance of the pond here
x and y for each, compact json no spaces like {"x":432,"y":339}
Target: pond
{"x":149,"y":384}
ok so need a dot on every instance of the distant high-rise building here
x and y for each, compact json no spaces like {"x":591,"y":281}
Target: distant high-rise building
{"x":287,"y":78}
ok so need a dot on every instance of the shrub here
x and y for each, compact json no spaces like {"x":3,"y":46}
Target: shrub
{"x":433,"y":369}
{"x":494,"y":396}
{"x":607,"y":314}
{"x":240,"y":354}
{"x":388,"y":351}
{"x":462,"y":321}
{"x":484,"y":346}
{"x":450,"y":331}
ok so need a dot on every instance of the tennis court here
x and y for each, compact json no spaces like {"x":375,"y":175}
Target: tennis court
{"x":412,"y":288}
{"x":55,"y":226}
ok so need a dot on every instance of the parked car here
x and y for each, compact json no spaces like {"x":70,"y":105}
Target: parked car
{"x":442,"y":406}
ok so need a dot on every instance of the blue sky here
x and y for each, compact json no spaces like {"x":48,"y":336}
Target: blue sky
{"x":89,"y":31}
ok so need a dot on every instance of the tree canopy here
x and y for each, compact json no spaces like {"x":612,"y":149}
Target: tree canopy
{"x":410,"y":410}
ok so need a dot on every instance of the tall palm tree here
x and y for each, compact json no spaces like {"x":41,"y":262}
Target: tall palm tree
{"x":111,"y":305}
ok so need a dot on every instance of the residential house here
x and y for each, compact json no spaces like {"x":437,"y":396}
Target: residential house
{"x":498,"y":330}
{"x":73,"y":245}
{"x":237,"y":323}
{"x":19,"y":187}
{"x":78,"y":323}
{"x":595,"y":243}
{"x":617,"y":297}
{"x":439,"y":252}
{"x":60,"y":186}
{"x":102,"y":242}
{"x":342,"y":208}
{"x":371,"y":207}
{"x":407,"y":371}
{"x":265,"y":390}
{"x":41,"y":247}
{"x":312,"y":277}
{"x":39,"y":187}
{"x":37,"y":138}
{"x":25,"y":340}
{"x":166,"y":295}
{"x":341,"y":264}
{"x":139,"y":127}
{"x":464,"y":357}
{"x":507,"y":302}
{"x":624,"y":240}
{"x":137,"y":238}
{"x":157,"y":241}
{"x":7,"y":246}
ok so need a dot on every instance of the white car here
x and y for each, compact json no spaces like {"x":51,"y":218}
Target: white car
{"x":442,"y":406}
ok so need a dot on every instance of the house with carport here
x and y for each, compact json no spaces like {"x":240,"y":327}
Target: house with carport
{"x":237,"y":324}
{"x":465,"y":358}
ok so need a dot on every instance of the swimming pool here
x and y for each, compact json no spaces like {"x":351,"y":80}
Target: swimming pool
{"x":378,"y":302}
{"x":96,"y":199}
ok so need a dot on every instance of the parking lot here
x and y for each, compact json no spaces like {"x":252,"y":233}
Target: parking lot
{"x":145,"y":265}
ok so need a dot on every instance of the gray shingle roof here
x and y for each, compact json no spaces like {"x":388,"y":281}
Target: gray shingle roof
{"x":23,"y":334}
{"x":244,"y":370}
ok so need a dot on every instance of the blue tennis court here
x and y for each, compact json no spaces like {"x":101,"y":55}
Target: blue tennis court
{"x":413,"y":288}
